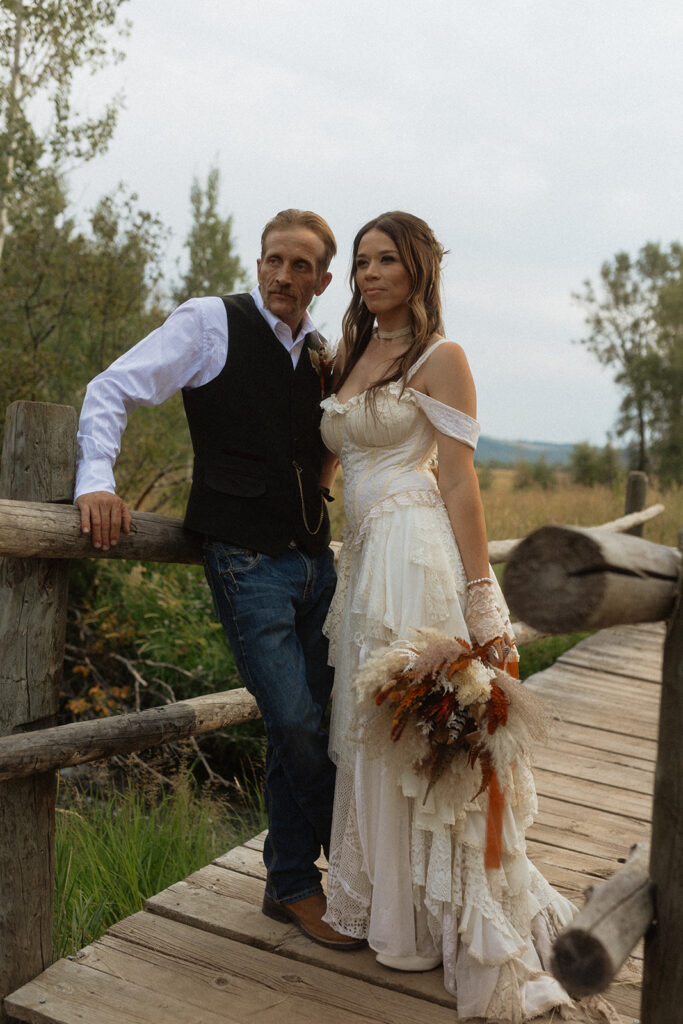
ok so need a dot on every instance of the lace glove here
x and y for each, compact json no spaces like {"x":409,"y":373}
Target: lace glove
{"x":484,"y":617}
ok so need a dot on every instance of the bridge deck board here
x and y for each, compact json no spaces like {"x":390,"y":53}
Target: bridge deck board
{"x":201,"y":951}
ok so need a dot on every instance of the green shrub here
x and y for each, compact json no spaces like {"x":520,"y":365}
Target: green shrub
{"x":523,"y":477}
{"x":544,"y":474}
{"x":539,"y":474}
{"x":145,"y":634}
{"x":590,"y":466}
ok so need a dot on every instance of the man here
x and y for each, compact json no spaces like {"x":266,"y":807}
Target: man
{"x":252,"y":399}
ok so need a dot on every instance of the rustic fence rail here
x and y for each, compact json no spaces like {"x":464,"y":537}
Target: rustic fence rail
{"x":593,"y":948}
{"x":40,"y":532}
{"x":562,"y":578}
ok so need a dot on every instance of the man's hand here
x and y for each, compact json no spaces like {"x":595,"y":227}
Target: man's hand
{"x":104,"y":516}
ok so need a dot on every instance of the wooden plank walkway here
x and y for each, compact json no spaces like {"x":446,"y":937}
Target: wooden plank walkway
{"x":202,"y":953}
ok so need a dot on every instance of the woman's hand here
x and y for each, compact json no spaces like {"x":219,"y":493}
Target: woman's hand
{"x":503,"y":650}
{"x":487,"y":624}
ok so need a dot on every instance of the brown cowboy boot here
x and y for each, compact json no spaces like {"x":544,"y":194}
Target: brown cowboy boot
{"x":307,"y":915}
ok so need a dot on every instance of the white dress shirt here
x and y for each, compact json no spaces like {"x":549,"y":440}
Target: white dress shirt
{"x":187,"y":351}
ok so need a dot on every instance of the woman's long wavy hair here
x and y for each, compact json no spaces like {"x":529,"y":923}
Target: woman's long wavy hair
{"x":420,"y":253}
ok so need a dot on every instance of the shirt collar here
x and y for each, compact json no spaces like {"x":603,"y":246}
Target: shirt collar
{"x":279,"y":328}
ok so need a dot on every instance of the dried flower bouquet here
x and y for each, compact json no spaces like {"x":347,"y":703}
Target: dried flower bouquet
{"x":446,"y":690}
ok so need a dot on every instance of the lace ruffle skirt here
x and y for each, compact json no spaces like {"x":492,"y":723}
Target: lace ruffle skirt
{"x":408,"y":875}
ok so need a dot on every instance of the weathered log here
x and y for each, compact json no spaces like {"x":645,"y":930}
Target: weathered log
{"x":562,"y":579}
{"x":502,"y":550}
{"x":37,"y":464}
{"x":35,"y":530}
{"x":64,"y":746}
{"x":588,"y":953}
{"x":662,"y":1001}
{"x":625,"y":523}
{"x":80,"y":742}
{"x":31,"y":530}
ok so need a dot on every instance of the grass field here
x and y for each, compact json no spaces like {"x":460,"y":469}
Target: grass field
{"x":515,"y":513}
{"x":512,"y":512}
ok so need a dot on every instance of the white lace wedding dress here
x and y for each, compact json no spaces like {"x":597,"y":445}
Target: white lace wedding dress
{"x":405,"y":873}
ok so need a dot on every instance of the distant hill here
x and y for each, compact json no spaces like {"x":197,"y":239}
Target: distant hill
{"x":489,"y":449}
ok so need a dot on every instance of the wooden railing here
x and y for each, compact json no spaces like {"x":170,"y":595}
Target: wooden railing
{"x":39,"y":533}
{"x":562,"y":579}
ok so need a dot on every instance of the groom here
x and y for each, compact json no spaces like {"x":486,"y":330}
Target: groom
{"x":260,"y":479}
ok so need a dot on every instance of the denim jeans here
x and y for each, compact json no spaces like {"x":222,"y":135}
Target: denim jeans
{"x":272,"y":610}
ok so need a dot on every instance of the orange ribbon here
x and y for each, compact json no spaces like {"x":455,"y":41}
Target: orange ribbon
{"x":494,"y":824}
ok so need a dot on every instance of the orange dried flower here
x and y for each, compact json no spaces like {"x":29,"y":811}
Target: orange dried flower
{"x":486,"y":765}
{"x":497,"y":709}
{"x":413,"y":696}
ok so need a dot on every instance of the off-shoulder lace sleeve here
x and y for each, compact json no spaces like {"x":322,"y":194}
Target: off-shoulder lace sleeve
{"x":448,"y":420}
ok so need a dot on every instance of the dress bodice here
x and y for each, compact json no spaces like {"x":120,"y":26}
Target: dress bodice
{"x":386,"y":452}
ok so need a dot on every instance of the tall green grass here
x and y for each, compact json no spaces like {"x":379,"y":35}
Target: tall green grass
{"x":117,"y":847}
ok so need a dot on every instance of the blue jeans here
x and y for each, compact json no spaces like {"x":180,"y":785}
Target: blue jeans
{"x":272,"y":610}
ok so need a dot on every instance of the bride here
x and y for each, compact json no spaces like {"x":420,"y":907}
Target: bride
{"x":413,"y":866}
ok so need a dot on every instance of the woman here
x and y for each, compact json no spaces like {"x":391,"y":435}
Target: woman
{"x":406,"y":866}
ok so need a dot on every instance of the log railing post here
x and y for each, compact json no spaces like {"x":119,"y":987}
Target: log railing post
{"x":589,"y":952}
{"x":561,"y":579}
{"x":662,"y":997}
{"x":38,"y":462}
{"x":636,"y":496}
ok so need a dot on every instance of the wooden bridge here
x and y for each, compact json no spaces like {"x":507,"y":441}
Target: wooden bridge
{"x":203,"y":952}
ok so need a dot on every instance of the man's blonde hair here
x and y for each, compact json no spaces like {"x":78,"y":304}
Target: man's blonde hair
{"x":303,"y":219}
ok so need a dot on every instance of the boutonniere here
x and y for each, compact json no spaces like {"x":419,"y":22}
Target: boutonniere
{"x":322,"y":361}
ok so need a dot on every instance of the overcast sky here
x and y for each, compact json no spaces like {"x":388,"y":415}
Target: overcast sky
{"x":537,"y":137}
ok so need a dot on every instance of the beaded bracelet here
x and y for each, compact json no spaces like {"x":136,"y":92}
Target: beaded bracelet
{"x":480,"y":579}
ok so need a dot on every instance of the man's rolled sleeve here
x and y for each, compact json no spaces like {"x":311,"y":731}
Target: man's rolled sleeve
{"x":186,"y":351}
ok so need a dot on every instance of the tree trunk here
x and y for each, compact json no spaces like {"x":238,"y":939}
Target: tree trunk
{"x":11,"y":123}
{"x":37,"y":464}
{"x":642,"y":442}
{"x":636,"y":496}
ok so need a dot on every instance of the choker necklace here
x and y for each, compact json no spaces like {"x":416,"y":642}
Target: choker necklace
{"x":389,"y":335}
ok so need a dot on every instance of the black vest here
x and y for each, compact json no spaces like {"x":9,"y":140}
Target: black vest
{"x":258,"y":454}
